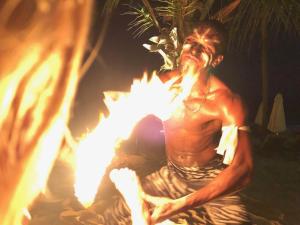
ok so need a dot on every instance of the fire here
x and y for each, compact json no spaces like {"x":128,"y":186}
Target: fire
{"x":128,"y":184}
{"x":42,"y":47}
{"x":126,"y":109}
{"x":26,"y":216}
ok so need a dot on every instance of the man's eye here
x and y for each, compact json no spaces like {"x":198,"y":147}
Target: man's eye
{"x":207,"y":51}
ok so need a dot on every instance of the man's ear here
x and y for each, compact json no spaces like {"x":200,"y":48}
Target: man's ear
{"x":217,"y":60}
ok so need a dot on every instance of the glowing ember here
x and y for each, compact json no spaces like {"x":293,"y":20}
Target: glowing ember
{"x":146,"y":97}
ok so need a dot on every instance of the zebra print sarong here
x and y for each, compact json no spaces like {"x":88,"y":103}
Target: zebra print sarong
{"x":174,"y":182}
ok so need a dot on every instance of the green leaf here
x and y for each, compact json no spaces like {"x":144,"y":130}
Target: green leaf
{"x":142,"y":21}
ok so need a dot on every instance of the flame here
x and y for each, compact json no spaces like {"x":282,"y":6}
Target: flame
{"x":126,"y":109}
{"x":26,"y":216}
{"x":128,"y":184}
{"x":40,"y":56}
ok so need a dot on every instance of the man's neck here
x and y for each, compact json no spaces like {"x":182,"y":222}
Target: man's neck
{"x":202,"y":79}
{"x":204,"y":76}
{"x":202,"y":85}
{"x":201,"y":72}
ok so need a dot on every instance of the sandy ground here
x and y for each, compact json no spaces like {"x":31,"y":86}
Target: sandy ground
{"x":273,"y":197}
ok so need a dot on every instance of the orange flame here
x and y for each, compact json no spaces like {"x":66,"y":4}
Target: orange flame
{"x":96,"y":151}
{"x":128,"y":184}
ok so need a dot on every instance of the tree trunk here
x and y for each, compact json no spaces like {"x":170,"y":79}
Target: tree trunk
{"x":264,"y":73}
{"x":152,"y":14}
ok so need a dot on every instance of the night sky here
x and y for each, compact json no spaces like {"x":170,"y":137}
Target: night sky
{"x":123,"y":57}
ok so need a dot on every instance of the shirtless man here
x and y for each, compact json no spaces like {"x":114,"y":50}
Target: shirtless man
{"x":197,"y":180}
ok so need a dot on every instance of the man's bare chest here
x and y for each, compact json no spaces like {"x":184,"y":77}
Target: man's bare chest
{"x":193,"y":113}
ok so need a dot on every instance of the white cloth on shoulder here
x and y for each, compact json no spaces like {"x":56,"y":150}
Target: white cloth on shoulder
{"x":228,"y":142}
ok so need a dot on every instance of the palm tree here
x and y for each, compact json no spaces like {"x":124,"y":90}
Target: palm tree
{"x":172,"y":20}
{"x":261,"y":17}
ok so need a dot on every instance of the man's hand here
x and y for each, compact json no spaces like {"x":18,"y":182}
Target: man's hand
{"x":163,"y":208}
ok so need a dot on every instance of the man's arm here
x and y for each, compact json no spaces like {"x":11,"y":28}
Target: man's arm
{"x":236,"y":176}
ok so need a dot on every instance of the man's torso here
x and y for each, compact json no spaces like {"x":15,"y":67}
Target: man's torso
{"x":194,"y":130}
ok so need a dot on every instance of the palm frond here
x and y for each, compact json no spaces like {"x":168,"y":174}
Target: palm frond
{"x":178,"y":12}
{"x":142,"y":21}
{"x":191,"y":7}
{"x":151,"y":12}
{"x":279,"y":15}
{"x":109,"y":6}
{"x":206,"y":8}
{"x":171,"y":8}
{"x":287,"y":16}
{"x":223,"y":14}
{"x":168,"y":8}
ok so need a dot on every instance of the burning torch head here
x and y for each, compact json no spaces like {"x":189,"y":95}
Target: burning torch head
{"x":204,"y":47}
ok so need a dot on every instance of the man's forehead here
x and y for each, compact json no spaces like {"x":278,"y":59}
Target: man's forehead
{"x":205,"y":36}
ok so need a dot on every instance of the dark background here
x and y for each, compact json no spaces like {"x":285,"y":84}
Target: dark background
{"x":123,"y":57}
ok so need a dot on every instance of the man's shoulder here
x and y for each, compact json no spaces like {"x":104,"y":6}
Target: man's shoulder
{"x":229,"y":103}
{"x":217,"y":84}
{"x":222,"y":91}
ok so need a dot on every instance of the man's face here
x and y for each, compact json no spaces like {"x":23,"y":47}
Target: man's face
{"x":199,"y":49}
